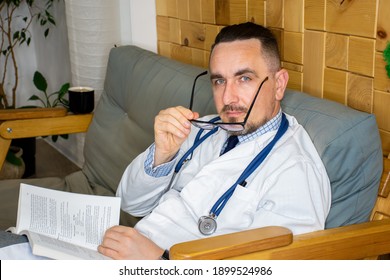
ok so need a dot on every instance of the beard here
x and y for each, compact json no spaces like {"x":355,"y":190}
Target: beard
{"x":249,"y":126}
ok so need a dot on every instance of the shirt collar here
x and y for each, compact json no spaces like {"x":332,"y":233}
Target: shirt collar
{"x":272,"y":124}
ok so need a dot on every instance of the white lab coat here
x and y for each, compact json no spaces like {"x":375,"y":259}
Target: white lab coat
{"x":290,"y":188}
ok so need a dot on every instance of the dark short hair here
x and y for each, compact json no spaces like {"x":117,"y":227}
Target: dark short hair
{"x":250,"y":30}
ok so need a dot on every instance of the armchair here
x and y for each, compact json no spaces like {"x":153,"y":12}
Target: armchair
{"x":139,"y":84}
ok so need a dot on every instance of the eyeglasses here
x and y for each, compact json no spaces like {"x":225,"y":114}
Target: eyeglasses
{"x":228,"y":126}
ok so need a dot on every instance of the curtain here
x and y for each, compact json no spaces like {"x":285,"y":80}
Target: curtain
{"x":93,"y":29}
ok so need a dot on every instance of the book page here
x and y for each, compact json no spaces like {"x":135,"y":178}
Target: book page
{"x":42,"y":245}
{"x":76,"y":218}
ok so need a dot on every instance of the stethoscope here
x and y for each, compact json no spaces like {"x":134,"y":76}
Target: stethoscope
{"x":207,"y":225}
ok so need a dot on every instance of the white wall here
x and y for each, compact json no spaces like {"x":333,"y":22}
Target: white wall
{"x":143,"y":24}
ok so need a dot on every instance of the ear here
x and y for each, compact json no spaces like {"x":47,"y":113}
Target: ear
{"x":281,"y":78}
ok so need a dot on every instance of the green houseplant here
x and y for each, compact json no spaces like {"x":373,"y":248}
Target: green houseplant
{"x":386,"y":57}
{"x":49,"y":100}
{"x":16,"y":19}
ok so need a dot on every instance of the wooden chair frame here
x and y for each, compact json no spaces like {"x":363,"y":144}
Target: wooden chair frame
{"x":23,"y":123}
{"x":366,"y":240}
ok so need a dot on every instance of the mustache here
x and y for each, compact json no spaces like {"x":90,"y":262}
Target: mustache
{"x":234,"y":108}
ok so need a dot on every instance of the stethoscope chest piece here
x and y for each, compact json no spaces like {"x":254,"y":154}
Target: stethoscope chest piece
{"x":207,"y":225}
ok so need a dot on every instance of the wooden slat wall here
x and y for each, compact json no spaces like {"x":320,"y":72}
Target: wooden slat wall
{"x":332,"y":49}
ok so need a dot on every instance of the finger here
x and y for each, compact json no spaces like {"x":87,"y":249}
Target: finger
{"x":181,"y":114}
{"x":116,"y":242}
{"x":195,"y":115}
{"x":119,"y":228}
{"x":109,"y":252}
{"x":187,"y":113}
{"x":119,"y":232}
{"x":172,"y":121}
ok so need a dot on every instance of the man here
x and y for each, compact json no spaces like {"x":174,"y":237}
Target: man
{"x":273,"y":176}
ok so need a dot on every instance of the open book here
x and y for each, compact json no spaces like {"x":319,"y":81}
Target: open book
{"x":64,"y":225}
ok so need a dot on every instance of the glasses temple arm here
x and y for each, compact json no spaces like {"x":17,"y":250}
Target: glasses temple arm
{"x":254,"y":100}
{"x":193,"y":88}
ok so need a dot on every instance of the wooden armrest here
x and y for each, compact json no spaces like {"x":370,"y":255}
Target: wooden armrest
{"x":31,"y":113}
{"x":349,"y":242}
{"x":233,"y":244}
{"x":45,"y":126}
{"x":358,"y":241}
{"x":30,"y":127}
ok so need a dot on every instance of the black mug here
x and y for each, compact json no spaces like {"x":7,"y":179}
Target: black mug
{"x":81,"y":100}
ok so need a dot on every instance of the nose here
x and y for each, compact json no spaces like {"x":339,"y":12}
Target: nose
{"x":230,"y":94}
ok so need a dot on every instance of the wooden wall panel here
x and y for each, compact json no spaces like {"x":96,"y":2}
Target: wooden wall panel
{"x":230,"y":11}
{"x":181,"y":53}
{"x":163,"y":31}
{"x":314,"y":62}
{"x":192,"y":34}
{"x":256,"y":11}
{"x":351,"y":17}
{"x":383,"y":25}
{"x":197,"y":57}
{"x":274,"y":13}
{"x":385,"y":137}
{"x":183,"y":11}
{"x":293,"y":19}
{"x":164,"y":48}
{"x":211,"y":32}
{"x":162,"y":7}
{"x":360,"y":91}
{"x":315,"y":14}
{"x":293,"y":47}
{"x":279,"y":35}
{"x":208,"y":11}
{"x":295,"y":80}
{"x":292,"y":66}
{"x":381,"y":109}
{"x":174,"y":30}
{"x":335,"y":85}
{"x":166,"y":8}
{"x":336,"y":51}
{"x":331,"y":48}
{"x":195,"y":7}
{"x":361,"y":55}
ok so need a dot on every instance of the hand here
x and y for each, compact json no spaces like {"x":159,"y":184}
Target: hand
{"x":171,"y":129}
{"x":120,"y":242}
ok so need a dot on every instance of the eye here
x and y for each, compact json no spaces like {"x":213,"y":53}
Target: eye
{"x":245,"y":79}
{"x":219,"y":82}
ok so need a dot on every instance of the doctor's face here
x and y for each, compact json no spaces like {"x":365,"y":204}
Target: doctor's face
{"x":236,"y":70}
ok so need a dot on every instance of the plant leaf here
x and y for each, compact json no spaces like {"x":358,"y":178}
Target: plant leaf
{"x":16,"y":35}
{"x":34,"y":97}
{"x":64,"y":88}
{"x":40,"y":81}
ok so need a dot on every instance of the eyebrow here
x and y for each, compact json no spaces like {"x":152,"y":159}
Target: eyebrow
{"x":238,"y":73}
